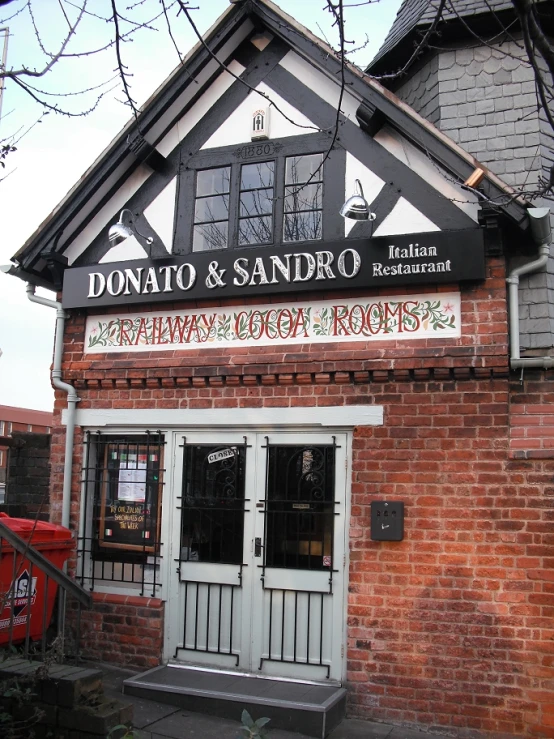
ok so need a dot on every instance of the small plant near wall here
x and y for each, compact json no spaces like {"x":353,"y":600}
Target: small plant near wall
{"x":121,"y":731}
{"x":251,"y":729}
{"x":18,"y":715}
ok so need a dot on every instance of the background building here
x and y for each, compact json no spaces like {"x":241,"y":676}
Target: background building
{"x":18,"y":420}
{"x":476,"y":83}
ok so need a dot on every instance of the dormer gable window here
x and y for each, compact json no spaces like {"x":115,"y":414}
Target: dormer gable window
{"x":277,"y":200}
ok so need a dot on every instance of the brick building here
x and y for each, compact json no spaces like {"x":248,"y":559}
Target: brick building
{"x":302,"y":445}
{"x":18,"y":420}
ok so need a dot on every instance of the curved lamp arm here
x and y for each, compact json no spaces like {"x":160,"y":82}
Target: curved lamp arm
{"x":149,"y":239}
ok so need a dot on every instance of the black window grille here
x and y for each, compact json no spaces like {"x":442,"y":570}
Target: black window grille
{"x":212,"y":515}
{"x":123,"y":479}
{"x":300,"y":507}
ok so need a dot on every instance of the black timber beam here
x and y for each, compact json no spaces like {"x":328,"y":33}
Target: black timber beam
{"x":119,"y":152}
{"x":390,"y":107}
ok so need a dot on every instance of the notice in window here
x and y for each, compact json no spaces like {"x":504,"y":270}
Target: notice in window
{"x":132,"y":482}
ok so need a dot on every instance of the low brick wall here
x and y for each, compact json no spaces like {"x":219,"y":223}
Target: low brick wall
{"x":61,"y":701}
{"x":123,"y":630}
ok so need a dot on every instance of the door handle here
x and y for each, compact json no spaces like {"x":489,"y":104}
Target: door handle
{"x":258,"y":547}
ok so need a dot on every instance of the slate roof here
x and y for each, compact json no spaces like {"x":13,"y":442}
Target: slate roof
{"x":419,"y":14}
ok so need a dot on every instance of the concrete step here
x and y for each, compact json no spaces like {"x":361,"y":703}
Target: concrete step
{"x":308,"y":708}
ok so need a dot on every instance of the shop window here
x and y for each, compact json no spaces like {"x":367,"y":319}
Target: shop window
{"x":259,"y":203}
{"x":123,"y":483}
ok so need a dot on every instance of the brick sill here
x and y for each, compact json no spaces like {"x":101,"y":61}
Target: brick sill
{"x":128,"y":600}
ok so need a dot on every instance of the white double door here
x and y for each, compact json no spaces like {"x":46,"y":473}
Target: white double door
{"x":258,"y":552}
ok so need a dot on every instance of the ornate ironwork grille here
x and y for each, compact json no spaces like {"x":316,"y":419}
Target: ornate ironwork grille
{"x":299,"y":519}
{"x":123,"y":479}
{"x":212,"y":518}
{"x":299,"y":507}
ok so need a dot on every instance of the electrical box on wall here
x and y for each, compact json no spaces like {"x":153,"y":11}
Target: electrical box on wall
{"x":387,"y":520}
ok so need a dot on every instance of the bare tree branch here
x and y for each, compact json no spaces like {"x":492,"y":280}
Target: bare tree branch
{"x":13,"y":74}
{"x":185,"y":10}
{"x":121,"y":67}
{"x":421,"y":46}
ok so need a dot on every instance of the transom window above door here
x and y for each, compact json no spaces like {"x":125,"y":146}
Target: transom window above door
{"x":278,"y":200}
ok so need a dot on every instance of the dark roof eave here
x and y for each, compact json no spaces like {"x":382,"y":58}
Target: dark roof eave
{"x":116,"y":153}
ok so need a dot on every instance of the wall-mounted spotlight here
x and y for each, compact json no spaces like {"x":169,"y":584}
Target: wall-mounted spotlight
{"x":357,"y":207}
{"x":119,"y":231}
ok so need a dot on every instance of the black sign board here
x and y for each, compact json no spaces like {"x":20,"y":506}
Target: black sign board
{"x":128,"y":526}
{"x":412,"y":259}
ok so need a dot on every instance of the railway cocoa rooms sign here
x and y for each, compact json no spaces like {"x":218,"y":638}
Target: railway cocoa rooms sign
{"x":416,"y":259}
{"x":398,"y":317}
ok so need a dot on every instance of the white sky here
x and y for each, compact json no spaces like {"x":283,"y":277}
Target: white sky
{"x":56,"y":152}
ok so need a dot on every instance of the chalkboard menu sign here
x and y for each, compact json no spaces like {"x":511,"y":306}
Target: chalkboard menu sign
{"x":130,"y":499}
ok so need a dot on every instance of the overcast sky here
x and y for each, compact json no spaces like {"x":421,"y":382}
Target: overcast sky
{"x":54,"y":154}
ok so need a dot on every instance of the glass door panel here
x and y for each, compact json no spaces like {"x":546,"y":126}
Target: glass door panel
{"x":300,"y":507}
{"x":212,"y":518}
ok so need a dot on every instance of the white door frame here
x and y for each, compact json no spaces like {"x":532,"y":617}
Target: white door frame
{"x":252,"y":599}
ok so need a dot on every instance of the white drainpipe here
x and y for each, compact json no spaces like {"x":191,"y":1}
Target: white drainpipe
{"x":540,"y":229}
{"x":72,"y":398}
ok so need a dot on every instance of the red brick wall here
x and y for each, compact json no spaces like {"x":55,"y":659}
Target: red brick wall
{"x":123,"y":630}
{"x":532,"y":419}
{"x":452,"y":627}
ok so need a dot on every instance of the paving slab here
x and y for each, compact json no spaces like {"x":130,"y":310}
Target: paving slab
{"x":147,"y":712}
{"x":357,"y":729}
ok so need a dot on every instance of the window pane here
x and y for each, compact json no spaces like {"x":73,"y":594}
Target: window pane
{"x":300,"y":169}
{"x":256,"y":202}
{"x":255,"y":230}
{"x":212,"y":209}
{"x":128,"y":484}
{"x":306,"y":198}
{"x":256,"y":175}
{"x":213,"y":504}
{"x":210,"y":236}
{"x":299,"y":515}
{"x":302,"y":226}
{"x":213,"y":181}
